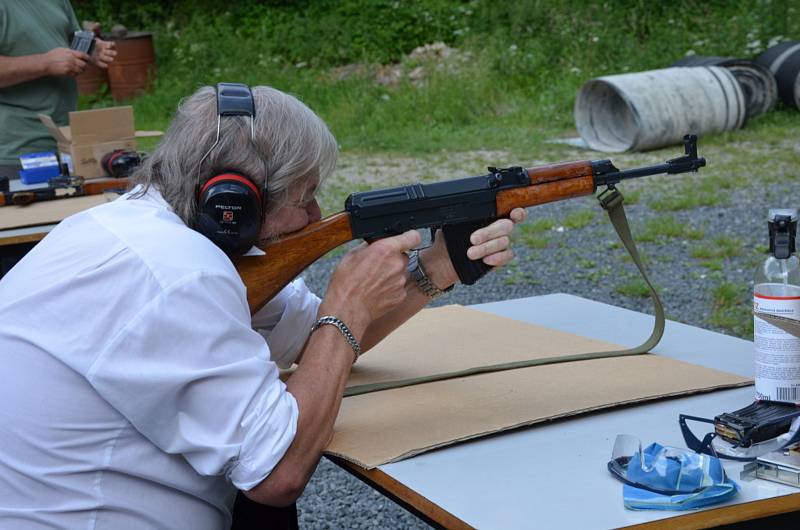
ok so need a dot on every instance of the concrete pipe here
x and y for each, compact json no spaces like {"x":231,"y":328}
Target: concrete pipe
{"x":652,"y":109}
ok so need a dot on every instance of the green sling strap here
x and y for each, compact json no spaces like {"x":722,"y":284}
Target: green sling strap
{"x":611,"y":200}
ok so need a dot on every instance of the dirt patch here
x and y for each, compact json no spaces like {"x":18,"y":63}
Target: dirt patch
{"x":386,"y":170}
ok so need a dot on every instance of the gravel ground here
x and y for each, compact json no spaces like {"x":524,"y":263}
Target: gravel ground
{"x":586,"y":262}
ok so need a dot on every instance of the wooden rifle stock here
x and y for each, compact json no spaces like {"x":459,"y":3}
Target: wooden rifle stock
{"x":96,"y":186}
{"x":288,"y":256}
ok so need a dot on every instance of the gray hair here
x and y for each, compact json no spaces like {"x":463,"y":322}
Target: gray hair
{"x":291,"y":146}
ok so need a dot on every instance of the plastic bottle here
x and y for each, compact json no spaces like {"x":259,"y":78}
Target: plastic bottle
{"x":776,"y":290}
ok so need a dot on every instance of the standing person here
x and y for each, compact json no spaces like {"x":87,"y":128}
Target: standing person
{"x":137,"y":390}
{"x":37,"y":74}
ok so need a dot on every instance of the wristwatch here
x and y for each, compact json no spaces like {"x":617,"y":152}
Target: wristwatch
{"x":423,"y":282}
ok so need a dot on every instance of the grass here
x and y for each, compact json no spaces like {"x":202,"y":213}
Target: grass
{"x":732,"y":309}
{"x":513,"y":276}
{"x":635,"y":288}
{"x":721,"y":247}
{"x":632,"y":197}
{"x":579,"y":219}
{"x":511,"y":85}
{"x":713,"y":255}
{"x":685,"y":200}
{"x":666,"y":227}
{"x":532,"y":234}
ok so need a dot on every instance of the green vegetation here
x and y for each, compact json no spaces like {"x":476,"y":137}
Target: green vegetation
{"x":712,"y":255}
{"x":509,"y":85}
{"x":667,"y":227}
{"x":632,"y":197}
{"x":635,"y":288}
{"x":513,"y":276}
{"x":732,"y":309}
{"x":579,"y":219}
{"x":531,"y":234}
{"x":685,"y":200}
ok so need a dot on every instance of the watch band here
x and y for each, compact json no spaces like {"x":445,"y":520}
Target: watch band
{"x":417,"y":273}
{"x":342,"y":327}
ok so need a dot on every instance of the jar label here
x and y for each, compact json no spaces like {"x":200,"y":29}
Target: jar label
{"x":777,"y":352}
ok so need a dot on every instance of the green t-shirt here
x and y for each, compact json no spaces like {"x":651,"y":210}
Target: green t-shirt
{"x":29,"y":27}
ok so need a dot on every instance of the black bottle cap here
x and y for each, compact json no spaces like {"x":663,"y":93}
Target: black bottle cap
{"x":782,"y":232}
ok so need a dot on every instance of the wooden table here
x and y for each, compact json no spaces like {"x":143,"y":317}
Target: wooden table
{"x":554,"y":475}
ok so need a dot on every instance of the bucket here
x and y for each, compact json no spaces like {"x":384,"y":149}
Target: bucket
{"x":783,"y":60}
{"x":656,"y":108}
{"x":133,"y":70}
{"x":757,"y":82}
{"x":91,"y":79}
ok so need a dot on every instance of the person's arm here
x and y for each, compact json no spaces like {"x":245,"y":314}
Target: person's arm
{"x":369,"y":281}
{"x":372,"y":293}
{"x":491,"y":244}
{"x":56,"y":62}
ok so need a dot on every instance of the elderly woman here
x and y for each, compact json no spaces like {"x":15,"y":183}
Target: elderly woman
{"x":137,"y":390}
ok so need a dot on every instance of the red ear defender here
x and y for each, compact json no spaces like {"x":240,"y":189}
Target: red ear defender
{"x":230,"y":212}
{"x":230,"y":176}
{"x":230,"y":207}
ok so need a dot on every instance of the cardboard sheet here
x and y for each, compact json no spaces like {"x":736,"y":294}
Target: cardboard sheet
{"x":391,"y":425}
{"x":48,"y":212}
{"x":454,"y":337}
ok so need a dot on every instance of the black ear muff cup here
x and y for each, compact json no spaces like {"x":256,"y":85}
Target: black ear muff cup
{"x":229,"y":213}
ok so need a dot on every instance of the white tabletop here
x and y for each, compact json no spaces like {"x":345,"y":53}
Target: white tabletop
{"x":554,"y":475}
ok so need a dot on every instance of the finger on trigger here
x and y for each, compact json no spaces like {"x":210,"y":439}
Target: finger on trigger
{"x":518,"y":215}
{"x":407,"y":240}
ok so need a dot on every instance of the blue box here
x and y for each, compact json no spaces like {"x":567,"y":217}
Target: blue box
{"x":38,"y":175}
{"x":38,"y":167}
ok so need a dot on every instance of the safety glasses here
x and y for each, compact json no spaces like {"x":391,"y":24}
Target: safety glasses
{"x":661,"y":469}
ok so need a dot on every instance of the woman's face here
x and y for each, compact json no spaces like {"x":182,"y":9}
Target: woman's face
{"x":300,"y":210}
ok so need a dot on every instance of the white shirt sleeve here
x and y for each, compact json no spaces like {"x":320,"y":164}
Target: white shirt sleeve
{"x":285,"y":322}
{"x":191,"y":375}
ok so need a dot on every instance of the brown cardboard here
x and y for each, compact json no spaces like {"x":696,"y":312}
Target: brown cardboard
{"x":390,"y":425}
{"x":90,"y":135}
{"x":454,"y":337}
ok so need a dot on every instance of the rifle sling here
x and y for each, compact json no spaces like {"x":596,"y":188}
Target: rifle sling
{"x":611,"y":200}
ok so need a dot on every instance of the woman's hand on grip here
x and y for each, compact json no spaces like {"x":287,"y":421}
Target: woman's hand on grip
{"x":370,"y":280}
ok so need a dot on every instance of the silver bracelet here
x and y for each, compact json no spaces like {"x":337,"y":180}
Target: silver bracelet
{"x":417,"y":274}
{"x":341,"y":326}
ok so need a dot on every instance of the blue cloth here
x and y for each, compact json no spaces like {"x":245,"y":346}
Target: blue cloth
{"x":642,"y":499}
{"x":686,"y":480}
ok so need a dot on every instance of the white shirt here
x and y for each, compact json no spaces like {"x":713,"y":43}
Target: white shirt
{"x":134,"y":392}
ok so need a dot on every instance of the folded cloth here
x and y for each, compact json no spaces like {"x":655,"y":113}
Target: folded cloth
{"x":641,"y":499}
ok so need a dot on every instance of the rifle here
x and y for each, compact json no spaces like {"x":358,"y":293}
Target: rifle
{"x":387,"y":212}
{"x":61,"y":187}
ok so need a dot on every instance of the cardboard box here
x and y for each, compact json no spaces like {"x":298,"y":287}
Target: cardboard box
{"x":90,"y":135}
